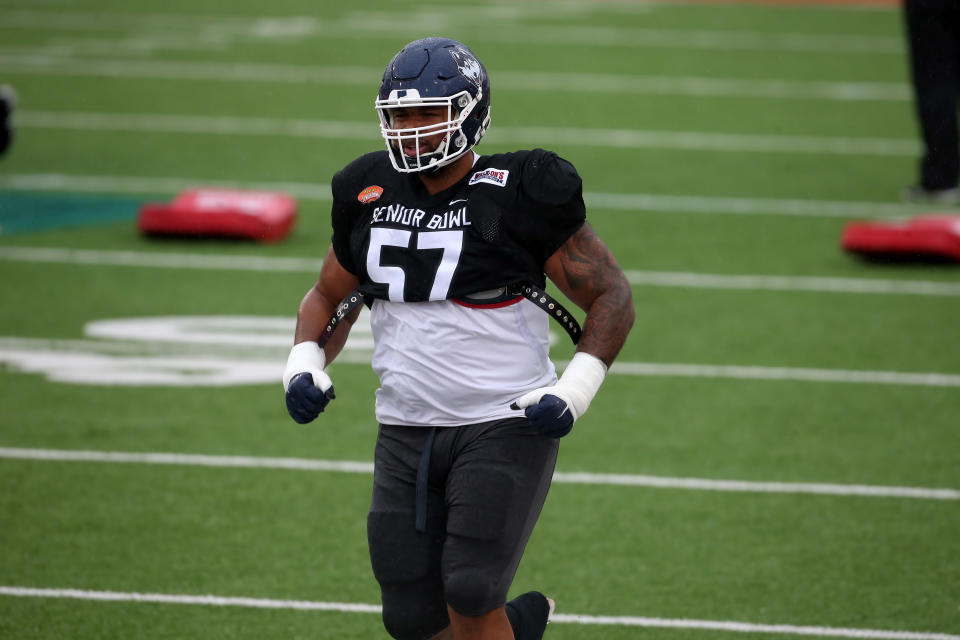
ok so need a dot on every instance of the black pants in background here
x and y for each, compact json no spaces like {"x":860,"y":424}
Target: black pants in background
{"x":933,"y":34}
{"x":6,"y":124}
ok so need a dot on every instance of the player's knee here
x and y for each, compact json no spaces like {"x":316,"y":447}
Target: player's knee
{"x":406,"y":564}
{"x":405,"y":624}
{"x":472,"y":592}
{"x":411,"y":612}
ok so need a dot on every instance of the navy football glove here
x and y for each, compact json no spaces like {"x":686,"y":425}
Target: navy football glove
{"x":551,"y":417}
{"x":308,"y":388}
{"x":304,"y":400}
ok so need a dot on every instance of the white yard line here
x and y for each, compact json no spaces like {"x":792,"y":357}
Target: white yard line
{"x":161,"y":260}
{"x":508,"y":80}
{"x":51,"y":61}
{"x":569,"y":618}
{"x":384,"y":24}
{"x":151,"y":185}
{"x":552,"y":136}
{"x":670,"y":279}
{"x":578,"y":478}
{"x":78,"y":20}
{"x":708,"y":141}
{"x":647,"y":202}
{"x":790,"y":283}
{"x":92,"y":363}
{"x":686,"y":39}
{"x":748,"y":206}
{"x":795,"y":374}
{"x":704,"y":86}
{"x":637,"y":37}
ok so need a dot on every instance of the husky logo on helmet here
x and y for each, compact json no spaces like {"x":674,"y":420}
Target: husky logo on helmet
{"x":467,"y":65}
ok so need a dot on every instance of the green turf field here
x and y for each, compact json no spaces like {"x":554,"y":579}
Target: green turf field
{"x":775,"y":454}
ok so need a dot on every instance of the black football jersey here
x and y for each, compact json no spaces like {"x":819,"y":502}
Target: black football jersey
{"x":495,"y":227}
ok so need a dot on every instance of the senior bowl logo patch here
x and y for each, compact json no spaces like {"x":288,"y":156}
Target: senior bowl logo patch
{"x":370,"y":194}
{"x":491,"y":176}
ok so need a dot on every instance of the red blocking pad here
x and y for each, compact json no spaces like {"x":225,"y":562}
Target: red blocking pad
{"x":935,"y":236}
{"x":264,"y":216}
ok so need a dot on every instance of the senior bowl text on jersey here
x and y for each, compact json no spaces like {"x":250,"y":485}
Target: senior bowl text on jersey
{"x":495,"y":227}
{"x":409,"y":217}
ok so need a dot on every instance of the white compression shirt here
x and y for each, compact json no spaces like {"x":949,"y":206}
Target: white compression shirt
{"x":442,"y":364}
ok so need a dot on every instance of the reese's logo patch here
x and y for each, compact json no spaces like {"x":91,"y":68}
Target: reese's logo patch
{"x":370,"y":194}
{"x":491,"y":176}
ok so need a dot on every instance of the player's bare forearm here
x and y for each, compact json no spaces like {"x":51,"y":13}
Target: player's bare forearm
{"x":312,"y":316}
{"x":585,"y":270}
{"x":319,"y":303}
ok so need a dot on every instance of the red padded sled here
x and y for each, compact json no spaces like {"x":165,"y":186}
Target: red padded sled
{"x":264,"y":216}
{"x":934,"y":236}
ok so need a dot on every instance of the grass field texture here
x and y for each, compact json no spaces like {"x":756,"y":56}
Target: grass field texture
{"x":774,"y":454}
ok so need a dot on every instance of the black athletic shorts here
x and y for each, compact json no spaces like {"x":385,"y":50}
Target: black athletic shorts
{"x":486,"y":487}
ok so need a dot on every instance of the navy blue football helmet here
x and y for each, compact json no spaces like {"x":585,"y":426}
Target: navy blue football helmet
{"x":428,"y":73}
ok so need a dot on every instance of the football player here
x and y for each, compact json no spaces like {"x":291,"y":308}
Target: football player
{"x":451,"y":251}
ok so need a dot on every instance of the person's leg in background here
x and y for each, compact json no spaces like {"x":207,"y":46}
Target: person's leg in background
{"x":8,"y":100}
{"x":932,"y":35}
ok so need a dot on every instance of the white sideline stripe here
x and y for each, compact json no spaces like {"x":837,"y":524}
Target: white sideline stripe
{"x":344,"y":130}
{"x":353,"y":607}
{"x":636,"y":278}
{"x":648,"y":202}
{"x":609,"y":479}
{"x":691,"y":86}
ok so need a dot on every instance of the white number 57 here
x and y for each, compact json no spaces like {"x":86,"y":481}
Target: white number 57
{"x":451,"y":242}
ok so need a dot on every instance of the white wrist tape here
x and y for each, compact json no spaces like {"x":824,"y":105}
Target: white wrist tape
{"x":581,"y":380}
{"x":307,"y":357}
{"x":577,"y":386}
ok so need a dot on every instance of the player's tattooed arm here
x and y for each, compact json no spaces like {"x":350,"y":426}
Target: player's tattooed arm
{"x":586,"y":272}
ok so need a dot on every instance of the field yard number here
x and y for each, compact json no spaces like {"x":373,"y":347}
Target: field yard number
{"x":172,"y":351}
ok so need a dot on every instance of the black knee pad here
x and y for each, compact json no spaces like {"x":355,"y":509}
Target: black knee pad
{"x":471,"y":591}
{"x":413,"y":610}
{"x":406,"y":563}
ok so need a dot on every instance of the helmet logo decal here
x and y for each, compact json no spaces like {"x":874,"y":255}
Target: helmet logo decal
{"x":467,"y":65}
{"x":370,"y":194}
